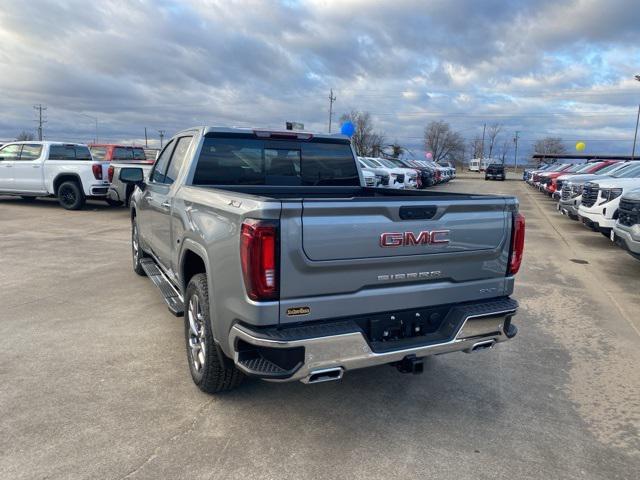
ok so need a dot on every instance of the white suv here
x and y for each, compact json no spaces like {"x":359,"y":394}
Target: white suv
{"x":41,"y":169}
{"x":600,"y":200}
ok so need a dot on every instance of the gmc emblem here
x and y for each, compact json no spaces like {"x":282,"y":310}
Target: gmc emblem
{"x":409,"y":239}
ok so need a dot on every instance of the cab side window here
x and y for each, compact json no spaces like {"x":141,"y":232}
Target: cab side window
{"x":30,"y":152}
{"x":178,"y":159}
{"x":160,"y":168}
{"x":10,"y":152}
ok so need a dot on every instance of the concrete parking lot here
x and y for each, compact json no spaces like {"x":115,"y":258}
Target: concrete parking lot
{"x":95,"y":382}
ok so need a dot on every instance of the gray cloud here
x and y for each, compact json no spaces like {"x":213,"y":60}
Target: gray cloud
{"x":536,"y":66}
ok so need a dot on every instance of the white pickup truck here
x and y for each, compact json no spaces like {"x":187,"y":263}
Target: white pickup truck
{"x":42,"y":169}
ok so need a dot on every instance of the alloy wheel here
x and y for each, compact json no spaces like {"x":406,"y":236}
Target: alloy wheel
{"x":197,"y":349}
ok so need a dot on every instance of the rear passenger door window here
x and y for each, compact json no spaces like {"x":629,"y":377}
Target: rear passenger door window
{"x":160,"y":168}
{"x":30,"y":152}
{"x":178,"y":159}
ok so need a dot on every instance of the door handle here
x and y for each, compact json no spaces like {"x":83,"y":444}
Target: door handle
{"x":36,"y":166}
{"x":166,"y":205}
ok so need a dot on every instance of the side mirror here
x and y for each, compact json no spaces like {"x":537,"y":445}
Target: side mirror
{"x":131,"y":175}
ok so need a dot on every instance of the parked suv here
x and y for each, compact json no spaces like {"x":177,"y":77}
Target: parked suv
{"x":626,"y":231}
{"x":495,"y":171}
{"x":600,"y":200}
{"x":42,"y":169}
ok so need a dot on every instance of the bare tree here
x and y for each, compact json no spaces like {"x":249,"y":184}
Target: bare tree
{"x":504,"y":150}
{"x":492,"y":135}
{"x":25,"y":136}
{"x":549,"y":145}
{"x":475,"y":146}
{"x":395,"y":150}
{"x":365,"y":140}
{"x":443,"y":142}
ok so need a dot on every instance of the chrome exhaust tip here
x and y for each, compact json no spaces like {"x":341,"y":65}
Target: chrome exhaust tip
{"x":484,"y":345}
{"x":324,"y":375}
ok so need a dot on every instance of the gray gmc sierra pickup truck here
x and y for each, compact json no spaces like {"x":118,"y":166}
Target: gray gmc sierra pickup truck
{"x":285,"y":268}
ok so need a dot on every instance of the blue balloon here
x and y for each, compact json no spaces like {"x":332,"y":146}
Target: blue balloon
{"x":347,"y":129}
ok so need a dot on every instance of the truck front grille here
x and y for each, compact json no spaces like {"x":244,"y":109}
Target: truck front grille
{"x":629,"y":213}
{"x":370,"y":181}
{"x":566,"y":192}
{"x":590,"y":195}
{"x":400,"y":178}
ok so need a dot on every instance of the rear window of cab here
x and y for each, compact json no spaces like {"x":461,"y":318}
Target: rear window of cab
{"x":69,"y":152}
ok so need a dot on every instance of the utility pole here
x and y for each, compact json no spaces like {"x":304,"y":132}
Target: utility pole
{"x":515,"y":154}
{"x":161,"y":132}
{"x":484,"y":128}
{"x":40,"y":121}
{"x":146,"y":143}
{"x":332,"y":99}
{"x":635,"y":137}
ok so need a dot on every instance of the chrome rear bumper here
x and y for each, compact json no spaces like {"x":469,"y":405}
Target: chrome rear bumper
{"x":350,"y":350}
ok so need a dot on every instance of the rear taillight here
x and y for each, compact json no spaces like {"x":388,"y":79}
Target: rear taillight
{"x":110,"y":173}
{"x":97,"y":171}
{"x":259,"y":259}
{"x":517,"y":244}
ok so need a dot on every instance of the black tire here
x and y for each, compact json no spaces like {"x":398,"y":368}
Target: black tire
{"x":113,"y":203}
{"x":71,"y":196}
{"x":27,"y":198}
{"x":136,"y":251}
{"x":209,"y":370}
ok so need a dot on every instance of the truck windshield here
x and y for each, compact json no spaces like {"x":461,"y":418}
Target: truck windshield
{"x":253,"y":161}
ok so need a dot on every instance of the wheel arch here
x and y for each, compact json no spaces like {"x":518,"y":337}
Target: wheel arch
{"x":193,"y":260}
{"x":65,"y":177}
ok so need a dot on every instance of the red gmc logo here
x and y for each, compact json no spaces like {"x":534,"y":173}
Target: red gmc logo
{"x":409,"y":239}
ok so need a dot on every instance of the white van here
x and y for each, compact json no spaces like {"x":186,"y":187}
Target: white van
{"x":474,"y":165}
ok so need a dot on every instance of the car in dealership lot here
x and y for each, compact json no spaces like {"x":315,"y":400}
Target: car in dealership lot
{"x":545,"y":178}
{"x":495,"y":171}
{"x":554,"y":187}
{"x":534,"y":175}
{"x":450,"y":166}
{"x":52,"y":169}
{"x":286,"y":269}
{"x":626,"y":231}
{"x":426,"y":174}
{"x":600,"y":199}
{"x":400,"y":177}
{"x":368,"y":178}
{"x":572,"y":186}
{"x":381,"y":175}
{"x":389,"y":178}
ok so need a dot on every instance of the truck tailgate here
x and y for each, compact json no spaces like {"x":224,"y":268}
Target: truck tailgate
{"x":341,"y":257}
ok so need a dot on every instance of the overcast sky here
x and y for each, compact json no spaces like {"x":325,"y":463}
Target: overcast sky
{"x":552,"y":67}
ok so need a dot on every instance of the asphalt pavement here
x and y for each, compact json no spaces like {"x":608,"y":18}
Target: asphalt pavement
{"x":95,"y":383}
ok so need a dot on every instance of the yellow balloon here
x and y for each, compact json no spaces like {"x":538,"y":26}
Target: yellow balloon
{"x":580,"y":146}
